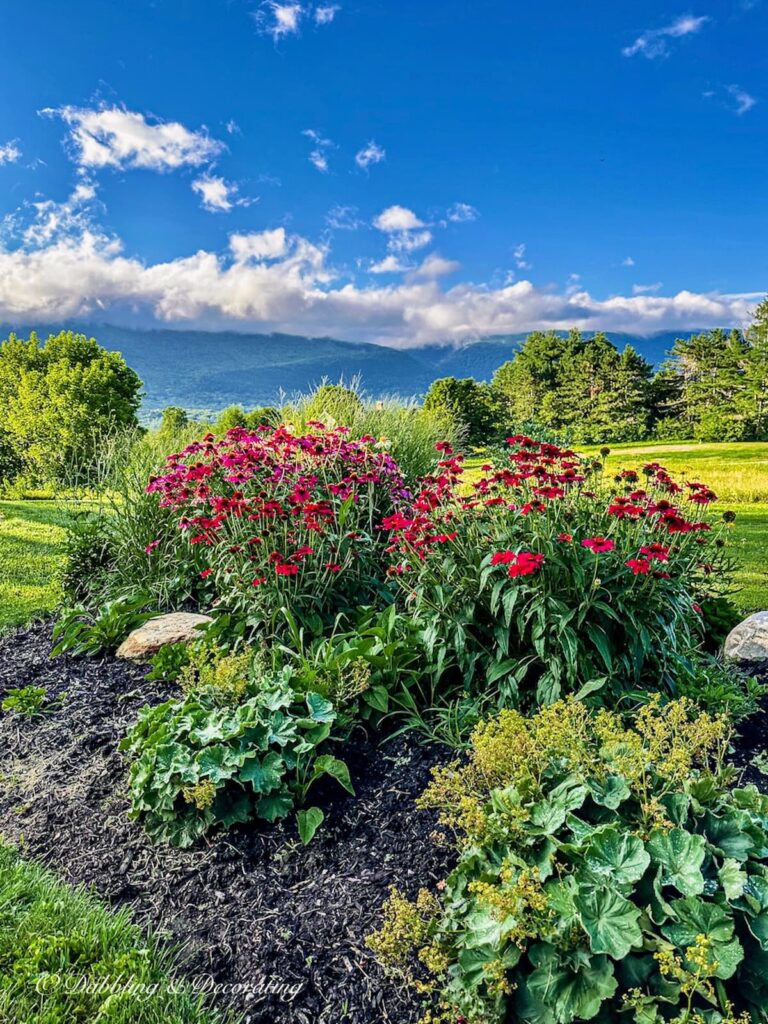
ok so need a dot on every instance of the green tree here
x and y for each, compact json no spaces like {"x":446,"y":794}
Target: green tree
{"x":59,"y":397}
{"x":472,"y":407}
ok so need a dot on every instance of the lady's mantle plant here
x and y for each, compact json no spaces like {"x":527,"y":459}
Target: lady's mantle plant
{"x":543,"y":577}
{"x":233,"y":749}
{"x":605,"y":873}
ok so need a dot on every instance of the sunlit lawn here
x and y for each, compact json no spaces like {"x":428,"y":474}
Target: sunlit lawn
{"x":31,"y":545}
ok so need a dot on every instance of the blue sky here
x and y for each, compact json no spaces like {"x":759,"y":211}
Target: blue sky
{"x":384,"y":171}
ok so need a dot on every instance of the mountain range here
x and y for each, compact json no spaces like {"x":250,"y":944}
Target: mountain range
{"x":205,"y":371}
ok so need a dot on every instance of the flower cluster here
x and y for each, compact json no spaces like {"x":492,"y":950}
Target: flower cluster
{"x":267,"y":509}
{"x":548,"y":561}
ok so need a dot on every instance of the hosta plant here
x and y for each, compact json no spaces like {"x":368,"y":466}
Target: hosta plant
{"x":605,"y":873}
{"x":219,"y":756}
{"x":273,"y":519}
{"x":543,"y":577}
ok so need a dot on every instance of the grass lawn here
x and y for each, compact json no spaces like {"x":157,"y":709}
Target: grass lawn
{"x":61,"y":950}
{"x":31,"y":544}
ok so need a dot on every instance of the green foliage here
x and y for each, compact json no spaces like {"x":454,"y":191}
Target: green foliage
{"x":81,"y":632}
{"x":25,"y":700}
{"x":66,"y":959}
{"x":604,"y":872}
{"x":226,"y":754}
{"x":471,"y":405}
{"x":333,"y":405}
{"x":581,"y":387}
{"x":55,"y":400}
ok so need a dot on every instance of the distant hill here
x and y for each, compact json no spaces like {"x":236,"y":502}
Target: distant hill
{"x":203,"y":370}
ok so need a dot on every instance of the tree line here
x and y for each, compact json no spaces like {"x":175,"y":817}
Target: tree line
{"x":712,"y":387}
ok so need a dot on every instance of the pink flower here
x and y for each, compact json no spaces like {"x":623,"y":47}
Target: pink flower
{"x":639,"y":566}
{"x":151,"y":546}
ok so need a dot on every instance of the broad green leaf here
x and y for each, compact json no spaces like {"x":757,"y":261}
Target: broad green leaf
{"x":732,"y":879}
{"x":275,"y":806}
{"x":309,"y":821}
{"x":570,"y":992}
{"x":680,"y":855}
{"x":377,"y":697}
{"x":610,"y":920}
{"x":320,"y":709}
{"x":609,"y":792}
{"x":212,"y":763}
{"x":616,"y":856}
{"x":729,"y":833}
{"x":264,"y":773}
{"x":549,"y":814}
{"x":328,"y":765}
{"x":232,"y":809}
{"x":694,"y":918}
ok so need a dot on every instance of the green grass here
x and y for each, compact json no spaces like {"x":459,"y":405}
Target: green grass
{"x":60,"y":950}
{"x":31,"y":545}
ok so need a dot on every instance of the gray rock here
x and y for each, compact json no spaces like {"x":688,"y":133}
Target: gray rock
{"x":749,"y":640}
{"x":177,"y":627}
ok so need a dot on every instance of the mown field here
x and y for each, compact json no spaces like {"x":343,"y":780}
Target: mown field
{"x":32,"y":535}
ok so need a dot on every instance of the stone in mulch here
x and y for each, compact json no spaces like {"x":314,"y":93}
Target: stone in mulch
{"x":173,"y":628}
{"x":748,"y":642}
{"x":251,"y":907}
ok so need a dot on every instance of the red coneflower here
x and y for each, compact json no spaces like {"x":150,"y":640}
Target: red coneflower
{"x":598,"y":544}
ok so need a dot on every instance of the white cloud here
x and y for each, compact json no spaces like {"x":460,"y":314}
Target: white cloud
{"x":654,"y":42}
{"x":519,"y":256}
{"x":218,"y":195}
{"x":628,"y":262}
{"x":460,"y":213}
{"x":397,"y":218}
{"x":741,"y":98}
{"x":370,"y":154}
{"x":436,"y":266}
{"x":325,"y":14}
{"x":252,"y":288}
{"x":408,"y":241}
{"x":52,"y":220}
{"x":260,"y":245}
{"x":9,"y":153}
{"x":114,"y":137}
{"x":645,"y":289}
{"x":318,"y":157}
{"x":389,"y":265}
{"x":279,"y":19}
{"x":343,"y":218}
{"x":232,"y":127}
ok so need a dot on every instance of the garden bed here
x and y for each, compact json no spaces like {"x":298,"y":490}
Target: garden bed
{"x":253,"y":907}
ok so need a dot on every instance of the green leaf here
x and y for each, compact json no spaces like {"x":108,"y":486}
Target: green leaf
{"x":610,"y":920}
{"x":609,"y":792}
{"x":549,"y":814}
{"x":616,"y":856}
{"x":680,"y":856}
{"x":570,"y":991}
{"x":694,"y":917}
{"x":264,"y":773}
{"x":328,"y":765}
{"x":377,"y":697}
{"x":273,"y":807}
{"x":320,"y":709}
{"x":729,"y":834}
{"x":309,"y":821}
{"x":732,"y":879}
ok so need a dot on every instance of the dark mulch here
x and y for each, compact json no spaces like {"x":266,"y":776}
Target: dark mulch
{"x":751,"y":744}
{"x":253,"y":907}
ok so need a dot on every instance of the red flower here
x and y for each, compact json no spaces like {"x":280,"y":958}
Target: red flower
{"x":639,"y":566}
{"x":206,"y":573}
{"x":286,"y":570}
{"x":151,"y":546}
{"x":658,"y":551}
{"x":503,"y":557}
{"x":258,"y":581}
{"x":565,"y":538}
{"x":333,"y":566}
{"x":598,"y":544}
{"x":525,"y":563}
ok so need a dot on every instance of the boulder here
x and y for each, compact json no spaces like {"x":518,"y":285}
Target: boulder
{"x":178,"y":627}
{"x":749,"y":640}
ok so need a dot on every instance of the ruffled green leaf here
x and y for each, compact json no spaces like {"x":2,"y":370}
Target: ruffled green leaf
{"x":610,"y":921}
{"x":680,"y":855}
